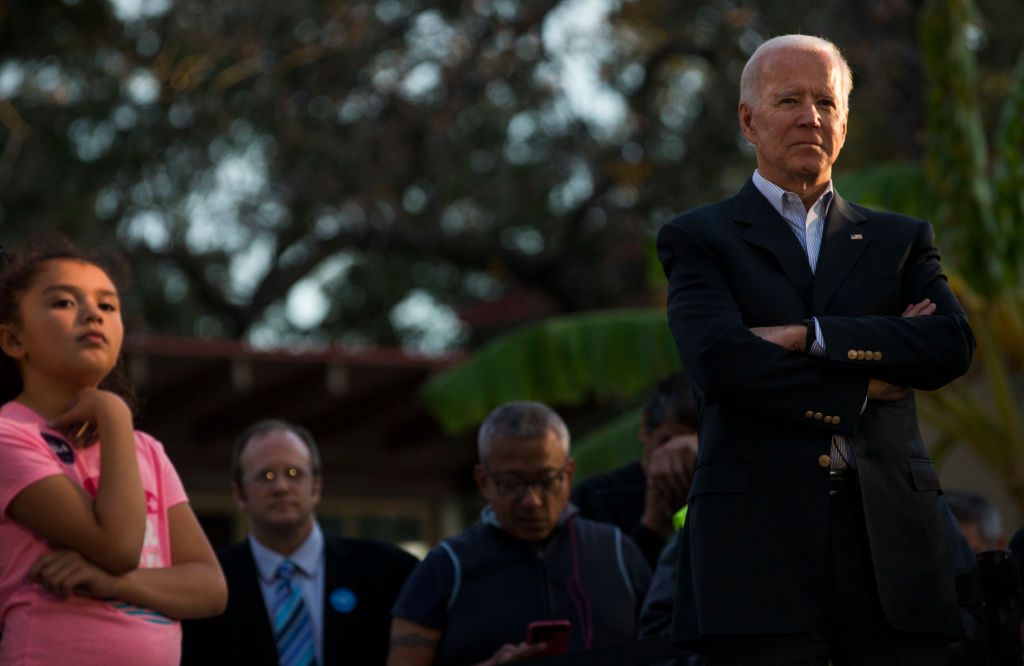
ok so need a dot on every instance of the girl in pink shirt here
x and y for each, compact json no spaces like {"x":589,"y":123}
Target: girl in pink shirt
{"x":100,"y":553}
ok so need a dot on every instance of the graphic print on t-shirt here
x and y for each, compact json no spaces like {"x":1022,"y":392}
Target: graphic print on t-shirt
{"x":146,"y":614}
{"x":151,"y":556}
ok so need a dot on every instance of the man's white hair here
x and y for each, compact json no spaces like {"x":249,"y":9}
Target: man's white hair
{"x":750,"y":80}
{"x":521,"y":420}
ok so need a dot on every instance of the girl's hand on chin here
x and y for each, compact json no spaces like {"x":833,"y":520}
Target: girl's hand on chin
{"x":82,"y":421}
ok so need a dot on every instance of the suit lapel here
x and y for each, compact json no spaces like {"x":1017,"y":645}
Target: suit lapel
{"x":251,"y":607}
{"x":341,"y":572}
{"x":842,"y":243}
{"x":767,"y":229}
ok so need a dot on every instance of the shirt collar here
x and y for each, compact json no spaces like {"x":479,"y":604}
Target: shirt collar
{"x":307,"y":557}
{"x":19,"y":413}
{"x":776,"y":195}
{"x":16,"y":411}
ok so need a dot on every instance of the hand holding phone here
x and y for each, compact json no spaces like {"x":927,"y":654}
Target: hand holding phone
{"x":553,"y":633}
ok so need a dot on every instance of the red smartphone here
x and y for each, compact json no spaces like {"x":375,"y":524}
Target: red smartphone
{"x":553,"y":633}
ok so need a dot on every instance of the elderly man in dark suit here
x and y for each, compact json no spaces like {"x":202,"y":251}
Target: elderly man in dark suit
{"x":805,"y":321}
{"x":296,"y":596}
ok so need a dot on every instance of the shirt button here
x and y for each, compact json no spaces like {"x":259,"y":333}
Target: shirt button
{"x":824,"y":461}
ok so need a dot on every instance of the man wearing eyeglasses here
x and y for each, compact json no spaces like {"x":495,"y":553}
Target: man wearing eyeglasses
{"x":295,"y":595}
{"x":530,"y":559}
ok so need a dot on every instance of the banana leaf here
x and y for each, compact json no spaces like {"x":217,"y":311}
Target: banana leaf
{"x":609,"y":356}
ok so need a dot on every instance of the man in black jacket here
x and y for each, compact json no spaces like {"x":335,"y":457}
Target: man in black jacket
{"x":804,"y":321}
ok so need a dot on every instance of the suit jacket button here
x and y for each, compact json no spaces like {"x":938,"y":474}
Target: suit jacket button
{"x":860,"y":354}
{"x":809,"y":414}
{"x":852,"y":354}
{"x":877,"y":356}
{"x":818,"y":416}
{"x":835,"y":420}
{"x":824,"y":461}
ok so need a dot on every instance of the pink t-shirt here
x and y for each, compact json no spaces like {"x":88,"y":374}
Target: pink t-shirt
{"x":37,"y":628}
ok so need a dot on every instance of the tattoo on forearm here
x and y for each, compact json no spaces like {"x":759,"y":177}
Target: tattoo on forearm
{"x":412,"y":641}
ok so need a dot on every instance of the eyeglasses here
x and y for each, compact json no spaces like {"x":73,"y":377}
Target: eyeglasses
{"x":268,"y":476}
{"x":514,"y":486}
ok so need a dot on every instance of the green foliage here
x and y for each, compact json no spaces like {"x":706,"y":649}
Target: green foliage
{"x":1008,"y":174}
{"x":984,"y":412}
{"x":614,"y":355}
{"x":978,"y":194}
{"x":897,"y":186}
{"x":612,"y":445}
{"x":958,"y":162}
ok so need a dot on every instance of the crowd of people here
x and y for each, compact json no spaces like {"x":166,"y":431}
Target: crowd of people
{"x":783,"y":508}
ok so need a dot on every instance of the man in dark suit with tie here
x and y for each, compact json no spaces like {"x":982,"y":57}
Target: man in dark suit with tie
{"x":295,"y":595}
{"x":805,"y":321}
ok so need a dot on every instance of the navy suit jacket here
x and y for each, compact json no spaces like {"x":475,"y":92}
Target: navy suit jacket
{"x":753,"y":554}
{"x":375,"y":572}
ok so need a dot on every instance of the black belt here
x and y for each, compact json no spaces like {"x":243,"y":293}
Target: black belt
{"x":842,"y":482}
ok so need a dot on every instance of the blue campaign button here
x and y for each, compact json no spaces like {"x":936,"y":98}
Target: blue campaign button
{"x":343,"y":600}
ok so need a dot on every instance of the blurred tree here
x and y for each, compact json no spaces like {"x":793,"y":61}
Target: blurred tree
{"x":400,"y":171}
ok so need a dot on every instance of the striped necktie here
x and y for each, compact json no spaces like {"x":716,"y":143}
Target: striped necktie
{"x":293,"y":629}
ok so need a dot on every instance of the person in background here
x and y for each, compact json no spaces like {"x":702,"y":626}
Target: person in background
{"x":642,"y":497}
{"x":297,"y":596}
{"x":979,"y":520}
{"x":531,"y":558}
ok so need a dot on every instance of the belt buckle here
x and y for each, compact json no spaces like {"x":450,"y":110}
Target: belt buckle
{"x":840,"y":481}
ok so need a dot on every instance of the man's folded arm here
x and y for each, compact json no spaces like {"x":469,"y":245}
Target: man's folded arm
{"x":729,"y":363}
{"x":920,"y":352}
{"x":923,"y":353}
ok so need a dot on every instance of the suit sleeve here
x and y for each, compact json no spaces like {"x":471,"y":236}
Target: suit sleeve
{"x":656,"y":615}
{"x":920,"y":352}
{"x":203,"y":642}
{"x":727,"y":362}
